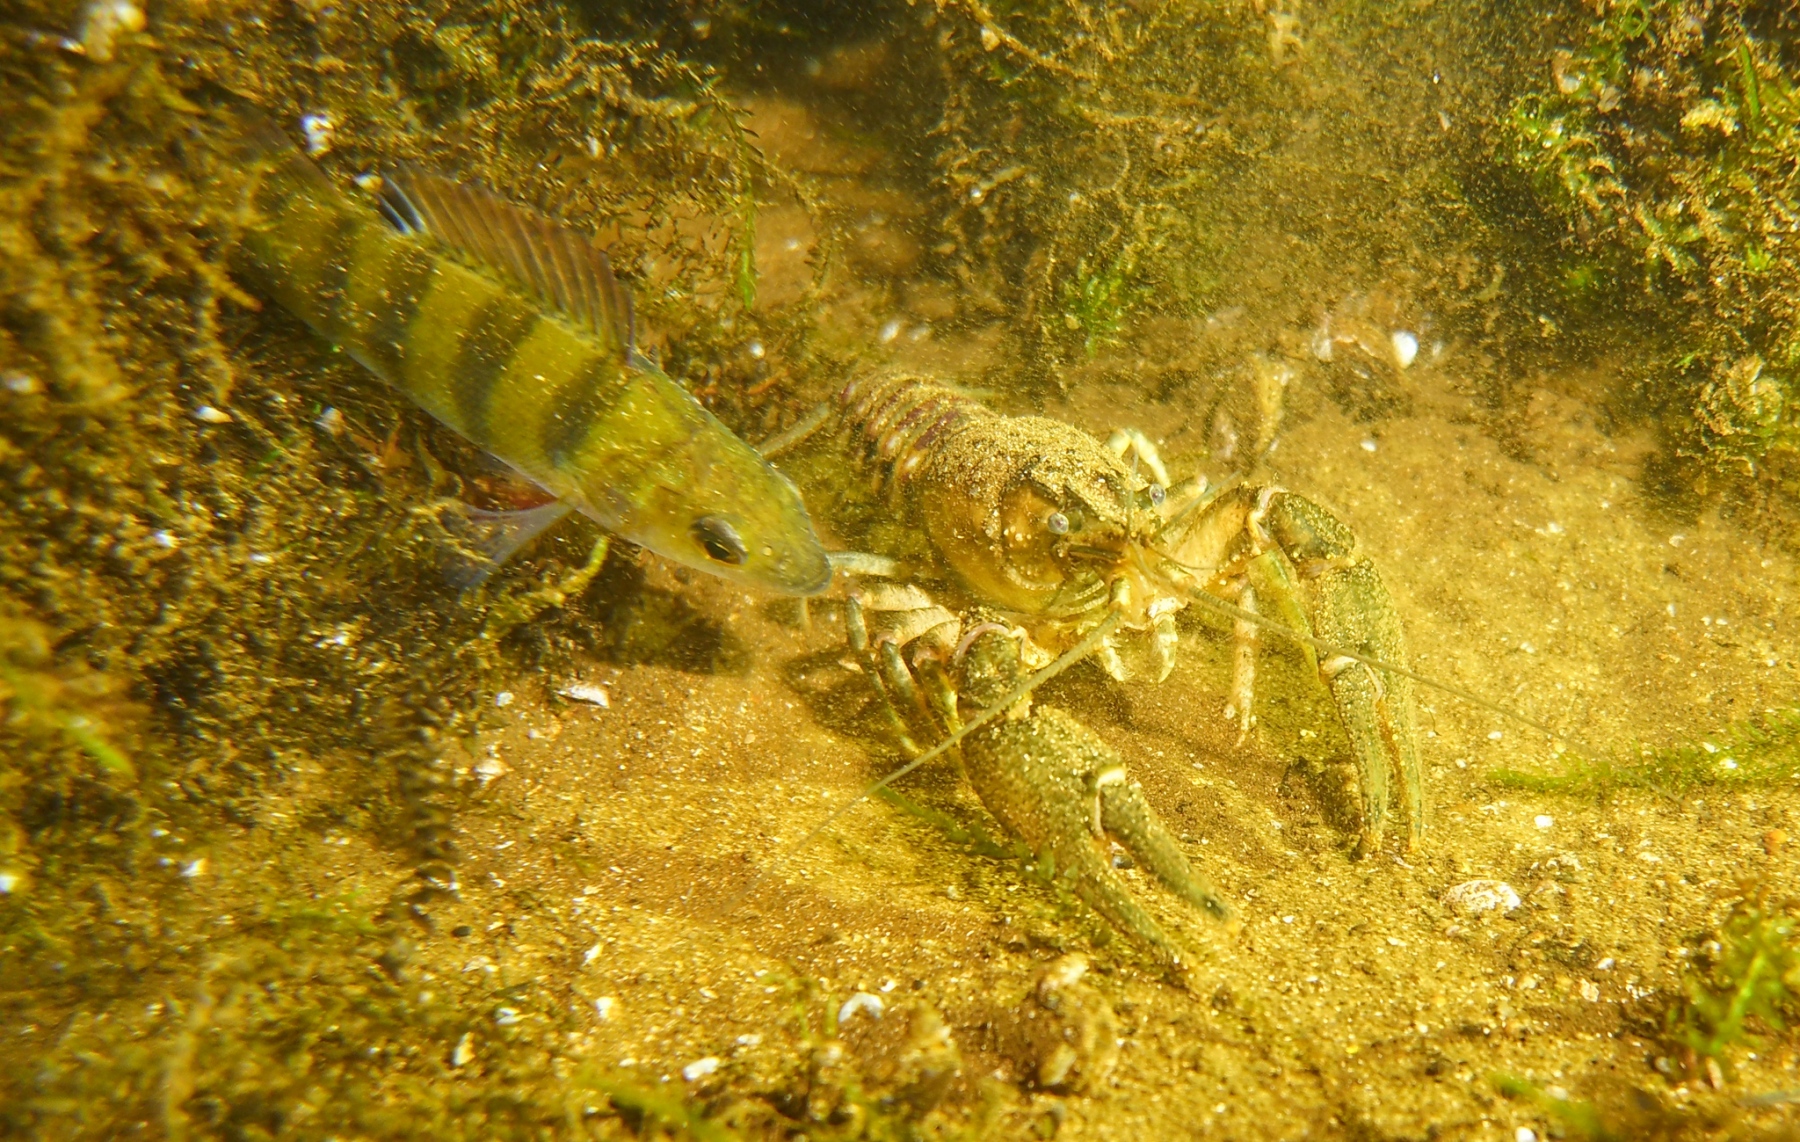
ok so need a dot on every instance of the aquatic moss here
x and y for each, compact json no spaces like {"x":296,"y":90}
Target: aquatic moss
{"x":1740,"y":986}
{"x":1078,"y":170}
{"x":1097,"y":300}
{"x":1577,"y":1119}
{"x":220,"y":588}
{"x":1663,"y":138}
{"x":1763,"y":750}
{"x":1107,"y":171}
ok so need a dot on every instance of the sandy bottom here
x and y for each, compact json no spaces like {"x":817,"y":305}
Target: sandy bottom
{"x":632,"y":875}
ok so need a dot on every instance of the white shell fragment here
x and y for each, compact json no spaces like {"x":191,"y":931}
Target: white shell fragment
{"x":1473,"y":897}
{"x":584,"y":692}
{"x":700,"y":1068}
{"x":102,"y":21}
{"x":1406,"y":347}
{"x":207,"y":414}
{"x":861,"y":1001}
{"x":318,"y":129}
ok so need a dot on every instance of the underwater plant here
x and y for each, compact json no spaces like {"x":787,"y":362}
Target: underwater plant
{"x":1577,"y":1118}
{"x":1096,"y":301}
{"x":1741,"y":986}
{"x":220,"y":570}
{"x":1662,"y":139}
{"x":1761,"y":750}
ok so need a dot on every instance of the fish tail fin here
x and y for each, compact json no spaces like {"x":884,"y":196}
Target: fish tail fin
{"x":561,"y":267}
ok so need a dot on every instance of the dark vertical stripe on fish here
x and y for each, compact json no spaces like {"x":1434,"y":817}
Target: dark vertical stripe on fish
{"x":577,"y":405}
{"x":486,"y":347}
{"x":409,"y":273}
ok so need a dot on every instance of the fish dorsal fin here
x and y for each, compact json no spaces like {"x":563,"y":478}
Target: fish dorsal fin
{"x":563,"y":268}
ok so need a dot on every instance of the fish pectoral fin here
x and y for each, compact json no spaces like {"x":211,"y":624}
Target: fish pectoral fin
{"x":561,"y":267}
{"x":482,"y":541}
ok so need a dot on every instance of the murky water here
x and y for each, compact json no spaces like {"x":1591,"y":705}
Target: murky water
{"x":296,"y":839}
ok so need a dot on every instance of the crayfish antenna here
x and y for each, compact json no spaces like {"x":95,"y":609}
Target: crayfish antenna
{"x":1325,"y":647}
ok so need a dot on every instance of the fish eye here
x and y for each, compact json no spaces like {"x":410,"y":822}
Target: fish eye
{"x":719,"y":539}
{"x":1058,"y":523}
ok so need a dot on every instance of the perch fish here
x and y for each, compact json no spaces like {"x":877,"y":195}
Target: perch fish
{"x":512,"y":330}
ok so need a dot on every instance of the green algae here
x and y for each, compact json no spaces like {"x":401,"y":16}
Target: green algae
{"x":1577,"y":1117}
{"x":205,"y":577}
{"x":1740,"y":986}
{"x":1761,"y":751}
{"x":1692,"y":231}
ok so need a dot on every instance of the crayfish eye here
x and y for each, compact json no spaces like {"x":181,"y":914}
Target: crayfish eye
{"x":1157,"y":495}
{"x":1058,"y":523}
{"x":719,"y":540}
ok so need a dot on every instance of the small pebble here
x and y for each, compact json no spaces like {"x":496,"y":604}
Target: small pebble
{"x":583,"y":692}
{"x":24,"y":384}
{"x":506,"y":1016}
{"x":1525,"y":1134}
{"x":1369,"y":446}
{"x":757,"y":351}
{"x":193,"y":869}
{"x":207,"y":414}
{"x":503,"y":699}
{"x":9,"y":882}
{"x":465,"y":1050}
{"x":890,"y":331}
{"x":603,"y":1008}
{"x":1473,"y":897}
{"x":1543,"y":821}
{"x":330,"y":422}
{"x":1590,"y":991}
{"x":700,"y":1068}
{"x":1774,"y":841}
{"x":1406,"y":347}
